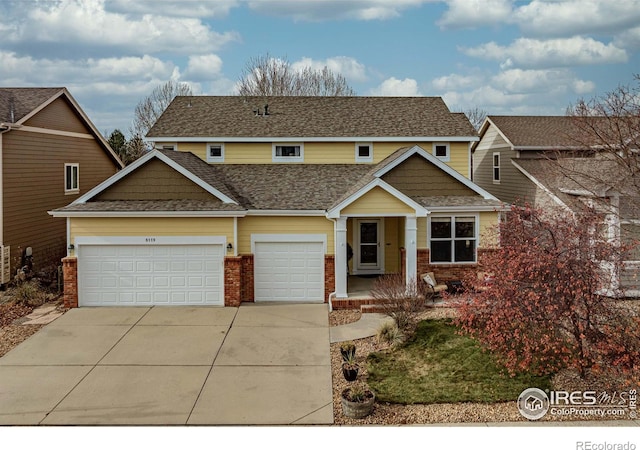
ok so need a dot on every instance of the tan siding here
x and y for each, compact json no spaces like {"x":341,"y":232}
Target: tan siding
{"x":392,"y":244}
{"x":155,"y":181}
{"x":418,"y":177}
{"x":282,"y":225}
{"x":377,"y":202}
{"x":59,"y":115}
{"x":488,"y":229}
{"x":33,"y":183}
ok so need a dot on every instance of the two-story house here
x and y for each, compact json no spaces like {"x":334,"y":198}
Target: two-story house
{"x":50,"y":154}
{"x":264,"y":199}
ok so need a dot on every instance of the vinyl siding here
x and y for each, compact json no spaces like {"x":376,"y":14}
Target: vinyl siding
{"x":59,"y":115}
{"x":392,"y":244}
{"x":282,"y":225}
{"x":488,"y":229}
{"x":33,"y":183}
{"x":377,"y":202}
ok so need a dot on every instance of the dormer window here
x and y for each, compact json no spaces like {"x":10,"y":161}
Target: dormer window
{"x":441,"y":151}
{"x":364,"y":152}
{"x":215,"y":152}
{"x":288,"y":153}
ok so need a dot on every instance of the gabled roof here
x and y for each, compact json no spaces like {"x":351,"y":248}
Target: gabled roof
{"x":17,"y":105}
{"x":293,"y":117}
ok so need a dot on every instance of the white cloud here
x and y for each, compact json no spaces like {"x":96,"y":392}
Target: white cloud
{"x":533,"y":53}
{"x":320,"y":10}
{"x":348,"y":67}
{"x":392,"y":87}
{"x":475,"y":13}
{"x":629,"y":39}
{"x":203,"y":67}
{"x":175,"y":8}
{"x":455,"y":81}
{"x":540,"y":82}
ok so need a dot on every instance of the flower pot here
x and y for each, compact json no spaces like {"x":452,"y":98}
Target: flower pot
{"x":360,"y":409}
{"x":350,"y":371}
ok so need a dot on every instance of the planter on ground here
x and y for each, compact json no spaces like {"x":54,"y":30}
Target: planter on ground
{"x":357,"y":403}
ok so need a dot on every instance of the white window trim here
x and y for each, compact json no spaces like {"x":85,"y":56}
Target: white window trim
{"x":452,"y":216}
{"x":72,"y":190}
{"x":166,"y":145}
{"x":287,"y":159}
{"x":364,"y":159}
{"x":494,"y":167}
{"x":216,"y":159}
{"x":445,"y":158}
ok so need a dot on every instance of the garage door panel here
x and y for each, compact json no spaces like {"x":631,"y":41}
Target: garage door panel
{"x":149,"y":275}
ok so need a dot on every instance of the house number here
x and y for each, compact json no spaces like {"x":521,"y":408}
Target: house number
{"x":149,"y":239}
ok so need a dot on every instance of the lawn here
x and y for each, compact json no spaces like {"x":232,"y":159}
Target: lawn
{"x":438,"y":365}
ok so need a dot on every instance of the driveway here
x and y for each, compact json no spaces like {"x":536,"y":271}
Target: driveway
{"x":256,"y":364}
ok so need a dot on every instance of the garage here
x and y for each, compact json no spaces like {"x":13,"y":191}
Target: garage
{"x":153,"y":274}
{"x":289,"y":270}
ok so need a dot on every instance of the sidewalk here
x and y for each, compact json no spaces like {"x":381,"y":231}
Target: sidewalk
{"x":367,"y":326}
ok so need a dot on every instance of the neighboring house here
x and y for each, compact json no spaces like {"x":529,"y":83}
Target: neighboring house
{"x":254,"y":199}
{"x":539,"y":160}
{"x":51,"y":154}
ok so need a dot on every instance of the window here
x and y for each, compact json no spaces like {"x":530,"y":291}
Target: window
{"x":441,"y":151}
{"x":288,"y":153}
{"x":453,"y":239}
{"x":71,"y":178}
{"x":496,"y":167}
{"x":364,"y":152}
{"x":170,"y":147}
{"x":215,"y":152}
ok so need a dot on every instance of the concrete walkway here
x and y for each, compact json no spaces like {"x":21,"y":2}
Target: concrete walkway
{"x":256,"y":364}
{"x":368,"y":325}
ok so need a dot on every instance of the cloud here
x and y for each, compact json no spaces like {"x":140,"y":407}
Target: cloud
{"x":475,"y":13}
{"x":455,"y":81}
{"x":545,"y":82}
{"x":174,"y":8}
{"x":317,"y":11}
{"x":86,"y":26}
{"x":203,"y":67}
{"x":348,"y":67}
{"x":533,"y":53}
{"x":393,"y":87}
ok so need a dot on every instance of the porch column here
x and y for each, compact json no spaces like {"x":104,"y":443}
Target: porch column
{"x":411,"y":248}
{"x":341,"y":257}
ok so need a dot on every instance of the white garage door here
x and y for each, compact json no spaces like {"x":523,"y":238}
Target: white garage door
{"x":119,"y":275}
{"x":289,"y":271}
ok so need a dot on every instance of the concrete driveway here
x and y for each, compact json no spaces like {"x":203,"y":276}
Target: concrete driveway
{"x":256,"y":364}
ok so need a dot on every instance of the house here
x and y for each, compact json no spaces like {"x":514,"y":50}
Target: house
{"x":51,"y":155}
{"x":548,"y":163}
{"x":259,"y":199}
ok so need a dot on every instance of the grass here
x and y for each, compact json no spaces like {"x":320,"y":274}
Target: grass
{"x":437,"y":365}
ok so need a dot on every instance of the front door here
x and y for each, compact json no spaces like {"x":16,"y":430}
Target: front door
{"x":369,"y":252}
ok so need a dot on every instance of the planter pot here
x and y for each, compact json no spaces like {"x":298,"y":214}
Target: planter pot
{"x":350,"y":372}
{"x":357,"y":410}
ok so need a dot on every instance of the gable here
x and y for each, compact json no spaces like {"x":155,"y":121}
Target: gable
{"x":155,"y":180}
{"x":417,"y":177}
{"x":58,"y":115}
{"x":378,"y":201}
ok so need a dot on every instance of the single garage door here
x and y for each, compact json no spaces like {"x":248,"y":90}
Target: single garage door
{"x":120,"y":275}
{"x":289,"y":271}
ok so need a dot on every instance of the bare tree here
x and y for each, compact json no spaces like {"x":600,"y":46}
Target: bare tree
{"x":150,"y":108}
{"x":476,"y":116}
{"x":268,"y":76}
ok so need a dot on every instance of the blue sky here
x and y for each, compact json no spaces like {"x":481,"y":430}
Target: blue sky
{"x":502,"y":56}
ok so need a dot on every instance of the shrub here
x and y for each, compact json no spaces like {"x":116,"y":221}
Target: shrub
{"x":29,"y":293}
{"x":390,"y":333}
{"x":401,"y":301}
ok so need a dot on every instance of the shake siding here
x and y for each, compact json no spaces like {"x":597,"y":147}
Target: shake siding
{"x":33,"y":183}
{"x":282,"y":225}
{"x":58,"y":116}
{"x":155,"y":226}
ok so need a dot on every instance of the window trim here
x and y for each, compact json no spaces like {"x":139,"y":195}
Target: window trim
{"x":452,"y":238}
{"x":168,"y":146}
{"x":215,"y":159}
{"x":447,"y":146}
{"x":494,"y":167}
{"x":72,"y":189}
{"x":364,"y":159}
{"x":287,"y":159}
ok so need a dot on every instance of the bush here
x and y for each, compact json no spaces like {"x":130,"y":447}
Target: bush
{"x":29,"y":293}
{"x":401,"y":301}
{"x":390,"y":333}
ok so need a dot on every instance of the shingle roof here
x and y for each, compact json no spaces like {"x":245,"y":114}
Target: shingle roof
{"x":233,"y":116}
{"x":15,"y":103}
{"x":538,"y":131}
{"x":151,"y":205}
{"x":457,"y":201}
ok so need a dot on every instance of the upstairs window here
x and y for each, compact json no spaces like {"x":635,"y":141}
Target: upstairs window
{"x":441,"y":151}
{"x":288,"y":153}
{"x":364,"y":152}
{"x":453,"y":239}
{"x":215,"y":152}
{"x":496,"y":168}
{"x":71,"y":178}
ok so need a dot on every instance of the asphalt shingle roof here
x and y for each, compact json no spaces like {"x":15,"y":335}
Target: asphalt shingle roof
{"x":538,"y":131}
{"x":15,"y":103}
{"x":234,"y":116}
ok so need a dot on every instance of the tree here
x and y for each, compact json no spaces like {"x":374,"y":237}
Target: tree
{"x":151,"y":107}
{"x":476,"y":116}
{"x":268,"y":76}
{"x":118,"y":142}
{"x":544,"y":310}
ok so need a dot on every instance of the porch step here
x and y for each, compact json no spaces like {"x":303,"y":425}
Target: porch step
{"x":352,"y":303}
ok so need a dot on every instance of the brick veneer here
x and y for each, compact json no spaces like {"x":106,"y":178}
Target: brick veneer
{"x":70,"y":277}
{"x":247,"y":285}
{"x":232,"y":280}
{"x":329,"y":276}
{"x":445,"y":272}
